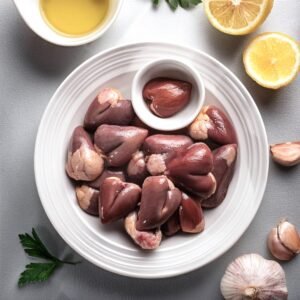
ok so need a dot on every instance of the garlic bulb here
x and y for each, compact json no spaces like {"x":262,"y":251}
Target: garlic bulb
{"x":252,"y":277}
{"x":284,"y":241}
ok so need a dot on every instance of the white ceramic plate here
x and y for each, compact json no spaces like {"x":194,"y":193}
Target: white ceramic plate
{"x":108,"y":246}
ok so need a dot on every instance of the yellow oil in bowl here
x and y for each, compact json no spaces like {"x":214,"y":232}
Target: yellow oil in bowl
{"x":74,"y":17}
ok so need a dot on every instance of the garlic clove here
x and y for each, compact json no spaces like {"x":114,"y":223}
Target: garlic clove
{"x":289,"y":236}
{"x":276,"y":247}
{"x":251,"y":276}
{"x":284,"y":241}
{"x":286,"y":154}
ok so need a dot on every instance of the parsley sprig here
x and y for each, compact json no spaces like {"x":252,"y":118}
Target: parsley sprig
{"x":182,"y":3}
{"x":38,"y":272}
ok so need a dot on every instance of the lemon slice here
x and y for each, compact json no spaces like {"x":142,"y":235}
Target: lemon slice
{"x":272,"y":59}
{"x":237,"y":17}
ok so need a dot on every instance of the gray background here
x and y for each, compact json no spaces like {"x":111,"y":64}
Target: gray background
{"x":31,"y":70}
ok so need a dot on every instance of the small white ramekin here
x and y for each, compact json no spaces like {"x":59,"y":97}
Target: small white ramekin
{"x":32,"y":15}
{"x":169,"y":68}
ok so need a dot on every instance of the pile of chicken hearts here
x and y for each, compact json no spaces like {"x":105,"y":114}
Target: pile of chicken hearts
{"x":157,"y":182}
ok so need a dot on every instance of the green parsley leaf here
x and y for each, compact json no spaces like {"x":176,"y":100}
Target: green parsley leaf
{"x":195,"y":2}
{"x":173,"y":3}
{"x":182,"y":3}
{"x":38,"y":272}
{"x":33,"y":246}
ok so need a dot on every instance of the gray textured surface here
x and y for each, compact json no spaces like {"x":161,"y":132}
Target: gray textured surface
{"x":32,"y":69}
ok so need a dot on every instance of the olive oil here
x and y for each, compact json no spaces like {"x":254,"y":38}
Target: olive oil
{"x":74,"y":17}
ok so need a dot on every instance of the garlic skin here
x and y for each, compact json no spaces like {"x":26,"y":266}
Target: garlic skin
{"x":284,"y":241}
{"x":251,"y":276}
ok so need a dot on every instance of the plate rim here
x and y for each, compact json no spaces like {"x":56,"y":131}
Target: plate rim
{"x":151,"y":44}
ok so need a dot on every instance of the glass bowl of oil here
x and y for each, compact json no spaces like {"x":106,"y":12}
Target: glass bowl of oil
{"x":69,"y":22}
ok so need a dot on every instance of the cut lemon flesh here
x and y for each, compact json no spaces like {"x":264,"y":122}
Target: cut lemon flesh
{"x":237,"y":17}
{"x":272,"y":60}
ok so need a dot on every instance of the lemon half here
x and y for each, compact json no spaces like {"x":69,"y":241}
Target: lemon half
{"x":237,"y":17}
{"x":272,"y":59}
